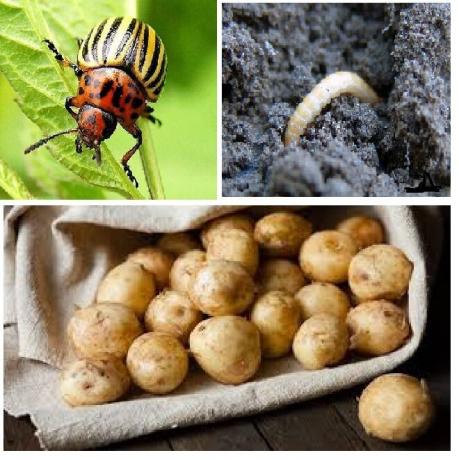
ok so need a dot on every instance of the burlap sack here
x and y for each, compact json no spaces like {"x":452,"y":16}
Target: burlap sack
{"x":55,"y":258}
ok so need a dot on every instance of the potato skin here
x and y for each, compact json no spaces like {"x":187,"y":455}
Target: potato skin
{"x":222,"y":288}
{"x":396,"y":408}
{"x":380,"y":271}
{"x":92,"y":381}
{"x":184,"y":269}
{"x":157,"y":362}
{"x":377,"y":327}
{"x":128,"y":284}
{"x":322,"y":298}
{"x":277,"y":317}
{"x":228,"y":348}
{"x":281,"y":234}
{"x":178,"y":243}
{"x":222,"y":224}
{"x":234,"y":245}
{"x":155,"y":261}
{"x":321,"y":341}
{"x":365,"y":230}
{"x":103,"y":331}
{"x":325,"y":256}
{"x":173,"y":313}
{"x":279,"y":275}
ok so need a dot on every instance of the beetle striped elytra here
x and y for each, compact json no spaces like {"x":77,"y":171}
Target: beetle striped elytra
{"x":334,"y":85}
{"x":121,"y":65}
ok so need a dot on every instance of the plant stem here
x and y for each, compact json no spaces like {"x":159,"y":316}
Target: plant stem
{"x":150,"y":163}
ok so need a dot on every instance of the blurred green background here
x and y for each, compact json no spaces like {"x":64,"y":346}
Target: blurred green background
{"x":186,"y":144}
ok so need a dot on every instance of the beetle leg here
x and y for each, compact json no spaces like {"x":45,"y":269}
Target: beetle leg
{"x":68,"y":104}
{"x":79,"y":42}
{"x":97,"y":155}
{"x":148,"y":115}
{"x":137,"y":134}
{"x":78,"y":146}
{"x":65,"y":62}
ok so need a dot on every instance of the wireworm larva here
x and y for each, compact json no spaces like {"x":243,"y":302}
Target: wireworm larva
{"x":334,"y":85}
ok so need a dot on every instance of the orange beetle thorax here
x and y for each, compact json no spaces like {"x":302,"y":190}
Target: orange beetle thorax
{"x":112,"y":90}
{"x":95,"y":125}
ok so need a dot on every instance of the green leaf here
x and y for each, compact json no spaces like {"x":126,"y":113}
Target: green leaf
{"x":41,"y":85}
{"x":12,"y":184}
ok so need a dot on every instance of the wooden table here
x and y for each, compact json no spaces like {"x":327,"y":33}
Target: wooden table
{"x":328,"y":423}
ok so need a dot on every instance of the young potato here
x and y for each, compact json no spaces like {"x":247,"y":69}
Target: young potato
{"x":155,"y":261}
{"x":277,"y":317}
{"x":234,"y":245}
{"x":94,"y":381}
{"x":178,"y":243}
{"x":377,"y":327}
{"x":184,"y":269}
{"x":222,"y":288}
{"x":396,"y":408}
{"x":321,"y":341}
{"x":281,"y":234}
{"x":103,"y":331}
{"x":222,"y":224}
{"x":279,"y":275}
{"x":322,"y":298}
{"x":325,"y":256}
{"x":157,"y":362}
{"x":128,"y":284}
{"x":381,"y":271}
{"x":227,"y":348}
{"x":365,"y":230}
{"x":173,"y":313}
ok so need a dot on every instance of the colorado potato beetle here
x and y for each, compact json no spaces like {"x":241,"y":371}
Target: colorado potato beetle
{"x":121,"y":64}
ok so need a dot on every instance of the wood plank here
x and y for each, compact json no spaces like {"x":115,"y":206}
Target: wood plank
{"x":155,"y":441}
{"x":19,"y":433}
{"x":312,"y":425}
{"x":233,"y":435}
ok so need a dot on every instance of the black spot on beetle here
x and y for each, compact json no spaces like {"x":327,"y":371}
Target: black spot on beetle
{"x":128,"y":99}
{"x":134,"y":116}
{"x":92,"y":95}
{"x":87,"y":80}
{"x":117,"y":95}
{"x":80,"y":90}
{"x":106,"y":132}
{"x":91,"y":119}
{"x":107,"y":86}
{"x":121,"y":109}
{"x":136,"y":102}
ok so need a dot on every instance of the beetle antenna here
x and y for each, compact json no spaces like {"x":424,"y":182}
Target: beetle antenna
{"x":47,"y":139}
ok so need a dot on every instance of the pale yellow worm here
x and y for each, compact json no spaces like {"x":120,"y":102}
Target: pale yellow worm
{"x":334,"y":85}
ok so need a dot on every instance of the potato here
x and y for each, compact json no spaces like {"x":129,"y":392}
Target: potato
{"x":381,"y":271}
{"x":178,"y":243}
{"x":279,"y":275}
{"x":103,"y":331}
{"x":157,"y":362}
{"x":222,"y":288}
{"x":277,"y":317}
{"x":224,"y":223}
{"x":155,"y":261}
{"x":173,"y":313}
{"x":322,"y":298}
{"x":227,"y":348}
{"x":325,"y":256}
{"x":184,"y":269}
{"x":128,"y":284}
{"x":93,"y":381}
{"x":234,"y":245}
{"x":396,"y":408}
{"x":281,"y":234}
{"x":365,"y":230}
{"x":377,"y":327}
{"x":321,"y":341}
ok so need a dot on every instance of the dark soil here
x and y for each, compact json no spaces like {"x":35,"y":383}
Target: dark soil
{"x":274,"y":54}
